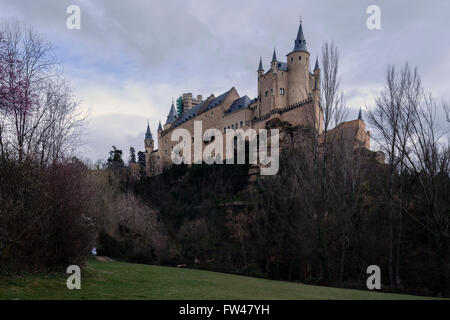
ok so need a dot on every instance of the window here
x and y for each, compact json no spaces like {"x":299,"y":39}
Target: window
{"x":299,"y":57}
{"x":292,"y":59}
{"x":242,"y":123}
{"x":224,"y":129}
{"x":271,"y":90}
{"x":192,"y":140}
{"x":267,"y":92}
{"x":236,"y":126}
{"x":282,"y":91}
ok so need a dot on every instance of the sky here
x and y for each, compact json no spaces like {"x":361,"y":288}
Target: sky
{"x":130,"y":58}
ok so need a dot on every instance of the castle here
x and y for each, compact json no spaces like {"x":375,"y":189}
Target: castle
{"x":287,"y":93}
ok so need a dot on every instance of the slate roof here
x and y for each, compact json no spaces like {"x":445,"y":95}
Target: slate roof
{"x":260,"y":68}
{"x":300,"y":42}
{"x":202,"y":107}
{"x":148,"y":134}
{"x":189,"y":114}
{"x":274,"y":57}
{"x":242,"y":102}
{"x":172,"y":115}
{"x":282,"y":66}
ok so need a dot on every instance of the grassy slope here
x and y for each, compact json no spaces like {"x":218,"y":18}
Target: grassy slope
{"x":116,"y":280}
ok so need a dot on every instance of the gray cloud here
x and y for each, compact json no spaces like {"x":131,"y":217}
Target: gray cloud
{"x":207,"y":46}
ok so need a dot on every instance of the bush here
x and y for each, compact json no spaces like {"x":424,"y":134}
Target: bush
{"x":44,"y":216}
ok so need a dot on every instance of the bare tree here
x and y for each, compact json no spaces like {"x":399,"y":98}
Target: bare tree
{"x":332,"y":99}
{"x":392,"y":120}
{"x":429,"y":158}
{"x":446,"y":106}
{"x":39,"y":117}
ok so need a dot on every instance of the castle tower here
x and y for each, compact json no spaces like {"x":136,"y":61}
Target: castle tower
{"x":298,"y":67}
{"x":160,"y":130}
{"x":260,"y":68}
{"x":274,"y":62}
{"x":260,"y":74}
{"x":149,"y":146}
{"x":274,"y":89}
{"x":316,"y":89}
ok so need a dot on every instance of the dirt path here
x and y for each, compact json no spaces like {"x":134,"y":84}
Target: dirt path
{"x":104,"y":259}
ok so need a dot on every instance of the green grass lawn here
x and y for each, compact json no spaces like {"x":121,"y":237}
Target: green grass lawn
{"x":117,"y":280}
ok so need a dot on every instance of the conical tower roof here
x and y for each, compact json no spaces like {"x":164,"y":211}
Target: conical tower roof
{"x":274,"y":57}
{"x":300,"y":42}
{"x":148,"y":134}
{"x":172,"y":115}
{"x":260,"y":68}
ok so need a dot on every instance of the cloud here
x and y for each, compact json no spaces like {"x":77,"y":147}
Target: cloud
{"x":130,"y":58}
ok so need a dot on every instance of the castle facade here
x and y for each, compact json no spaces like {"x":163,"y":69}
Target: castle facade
{"x":288,"y":93}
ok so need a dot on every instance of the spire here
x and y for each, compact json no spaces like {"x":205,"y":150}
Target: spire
{"x":148,"y":134}
{"x":317,"y":64}
{"x":172,"y":115}
{"x":316,"y":83}
{"x":300,"y":42}
{"x":260,"y":68}
{"x":360,"y":114}
{"x":160,"y":127}
{"x":274,"y":57}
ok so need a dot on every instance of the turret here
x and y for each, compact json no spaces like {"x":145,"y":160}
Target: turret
{"x":260,"y":68}
{"x":298,"y":67}
{"x":317,"y":75}
{"x":160,"y":127}
{"x":149,"y":142}
{"x":274,"y":62}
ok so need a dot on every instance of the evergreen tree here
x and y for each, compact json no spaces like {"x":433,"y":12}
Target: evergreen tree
{"x":115,"y":160}
{"x":132,"y":155}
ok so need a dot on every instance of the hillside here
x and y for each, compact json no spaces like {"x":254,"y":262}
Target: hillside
{"x":117,"y":280}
